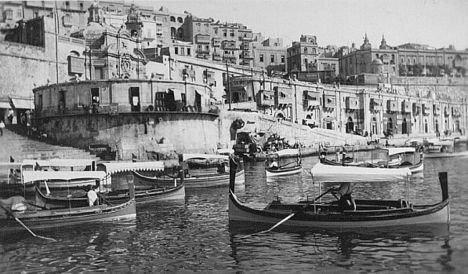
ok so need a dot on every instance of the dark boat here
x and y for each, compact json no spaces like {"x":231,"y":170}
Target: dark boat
{"x":368,"y":213}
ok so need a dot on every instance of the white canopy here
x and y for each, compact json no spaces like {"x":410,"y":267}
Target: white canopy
{"x":400,"y":150}
{"x":225,"y":151}
{"x":58,"y":162}
{"x":31,"y":176}
{"x":114,"y":167}
{"x":287,"y":152}
{"x":338,"y":174}
{"x":186,"y":157}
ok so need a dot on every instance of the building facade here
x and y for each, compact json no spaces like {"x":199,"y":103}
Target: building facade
{"x":408,"y":60}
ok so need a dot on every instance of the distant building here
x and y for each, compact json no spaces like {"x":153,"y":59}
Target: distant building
{"x":405,"y":60}
{"x":270,"y":55}
{"x":310,"y":62}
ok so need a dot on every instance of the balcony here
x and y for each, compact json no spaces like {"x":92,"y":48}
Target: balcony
{"x":202,"y":39}
{"x":230,"y":45}
{"x":265,"y":98}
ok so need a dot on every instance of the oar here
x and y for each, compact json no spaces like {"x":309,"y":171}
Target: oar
{"x":287,"y":217}
{"x":23,"y":225}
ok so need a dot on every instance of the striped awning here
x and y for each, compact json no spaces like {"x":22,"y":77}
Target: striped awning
{"x":116,"y":167}
{"x":33,"y":176}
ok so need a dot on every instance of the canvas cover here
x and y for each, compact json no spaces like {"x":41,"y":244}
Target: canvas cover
{"x":32,"y":176}
{"x":286,"y":152}
{"x":337,"y":174}
{"x":186,"y":157}
{"x":400,"y":150}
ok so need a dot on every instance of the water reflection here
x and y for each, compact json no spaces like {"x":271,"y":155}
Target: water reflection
{"x":364,"y":250}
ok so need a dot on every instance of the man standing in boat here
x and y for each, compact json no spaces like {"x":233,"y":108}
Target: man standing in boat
{"x":346,"y":202}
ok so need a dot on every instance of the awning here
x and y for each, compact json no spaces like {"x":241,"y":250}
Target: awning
{"x":32,"y":176}
{"x":114,"y":167}
{"x":186,"y":157}
{"x":4,"y":104}
{"x":338,"y":174}
{"x":21,"y":103}
{"x":400,"y":150}
{"x":177,"y":94}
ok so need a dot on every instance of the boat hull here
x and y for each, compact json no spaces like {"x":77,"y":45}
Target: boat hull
{"x":435,"y":214}
{"x":283,"y":171}
{"x":199,"y":181}
{"x":67,"y":217}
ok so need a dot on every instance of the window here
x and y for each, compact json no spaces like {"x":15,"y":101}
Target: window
{"x":176,"y":50}
{"x":282,"y":58}
{"x":272,"y":58}
{"x":232,"y":34}
{"x":95,"y":96}
{"x":224,"y":34}
{"x":172,"y":19}
{"x":180,"y":20}
{"x":261,"y":57}
{"x":98,"y":73}
{"x":9,"y":14}
{"x":135,"y":98}
{"x":188,"y":52}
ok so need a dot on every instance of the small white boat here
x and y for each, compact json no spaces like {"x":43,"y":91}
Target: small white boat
{"x":279,"y":163}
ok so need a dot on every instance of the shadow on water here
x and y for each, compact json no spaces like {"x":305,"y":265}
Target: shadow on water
{"x":364,"y":250}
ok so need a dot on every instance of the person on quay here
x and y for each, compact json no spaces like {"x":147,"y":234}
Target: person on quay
{"x":2,"y":126}
{"x":346,"y":201}
{"x":92,"y":196}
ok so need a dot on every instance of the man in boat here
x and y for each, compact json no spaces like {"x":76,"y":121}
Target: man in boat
{"x":92,"y":196}
{"x":346,"y":202}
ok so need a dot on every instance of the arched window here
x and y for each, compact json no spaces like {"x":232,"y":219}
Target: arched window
{"x":172,"y":19}
{"x":173,"y":32}
{"x":180,"y":20}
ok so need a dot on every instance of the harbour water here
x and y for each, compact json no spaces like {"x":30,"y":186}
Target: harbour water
{"x":195,"y":235}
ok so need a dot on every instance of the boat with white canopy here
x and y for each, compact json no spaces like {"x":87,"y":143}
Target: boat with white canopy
{"x":377,"y":213}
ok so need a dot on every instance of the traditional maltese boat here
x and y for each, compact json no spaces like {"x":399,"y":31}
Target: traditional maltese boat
{"x":389,"y":157}
{"x":33,"y":217}
{"x":367,"y":213}
{"x":279,"y":163}
{"x":195,"y":177}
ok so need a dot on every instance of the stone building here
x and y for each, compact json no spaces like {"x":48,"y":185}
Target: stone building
{"x":310,"y":62}
{"x":270,"y":55}
{"x":387,"y":62}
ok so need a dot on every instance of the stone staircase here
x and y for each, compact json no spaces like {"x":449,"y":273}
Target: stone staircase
{"x":22,"y":147}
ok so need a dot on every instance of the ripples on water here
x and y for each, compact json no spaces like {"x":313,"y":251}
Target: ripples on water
{"x":194,"y":235}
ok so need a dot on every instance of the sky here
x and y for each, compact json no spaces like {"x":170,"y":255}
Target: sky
{"x":437,"y":23}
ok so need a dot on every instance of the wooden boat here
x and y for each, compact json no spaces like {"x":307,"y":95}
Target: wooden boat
{"x":204,"y":160}
{"x":147,"y":195}
{"x":368,"y":213}
{"x":388,"y":157}
{"x":279,"y":163}
{"x":61,"y":180}
{"x":35,"y":218}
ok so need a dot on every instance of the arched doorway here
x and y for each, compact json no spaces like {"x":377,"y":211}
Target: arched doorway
{"x":350,"y":125}
{"x":404,"y":127}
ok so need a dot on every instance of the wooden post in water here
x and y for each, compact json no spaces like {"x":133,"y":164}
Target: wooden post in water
{"x":131,"y":186}
{"x":443,"y":180}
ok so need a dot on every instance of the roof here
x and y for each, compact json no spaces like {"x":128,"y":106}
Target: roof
{"x":31,"y":176}
{"x":287,"y":152}
{"x":121,"y":166}
{"x":338,"y":174}
{"x":59,"y":162}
